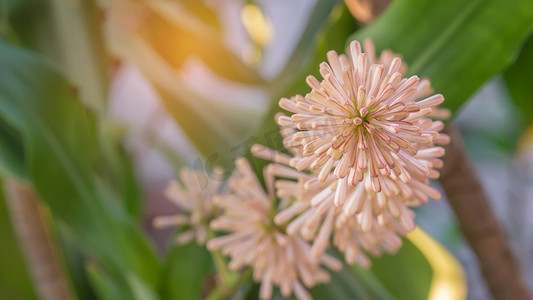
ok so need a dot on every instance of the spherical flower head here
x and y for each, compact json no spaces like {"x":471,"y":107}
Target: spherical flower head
{"x":310,"y":213}
{"x":371,"y":209}
{"x":194,"y":197}
{"x":253,"y":239}
{"x":364,"y":116}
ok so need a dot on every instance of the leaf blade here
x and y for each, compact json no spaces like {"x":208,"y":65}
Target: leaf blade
{"x":60,"y":140}
{"x":467,"y":54}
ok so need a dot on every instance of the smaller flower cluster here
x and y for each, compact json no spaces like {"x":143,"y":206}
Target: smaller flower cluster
{"x":195,"y":203}
{"x":255,"y":240}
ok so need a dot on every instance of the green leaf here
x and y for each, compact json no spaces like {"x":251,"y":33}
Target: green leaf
{"x":69,"y":34}
{"x":11,"y":153}
{"x":61,"y":146}
{"x":349,"y":284}
{"x":186,"y":269}
{"x":75,"y":44}
{"x":407,"y":274}
{"x":213,"y":129}
{"x":105,"y":285}
{"x":457,"y":44}
{"x":108,"y":287}
{"x":140,"y":290}
{"x":404,"y":275}
{"x":74,"y":262}
{"x":116,"y":169}
{"x":221,"y":132}
{"x":518,"y":80}
{"x":29,"y":24}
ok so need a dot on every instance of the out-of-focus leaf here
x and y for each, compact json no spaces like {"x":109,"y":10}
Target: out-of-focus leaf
{"x":519,"y":82}
{"x":422,"y":269}
{"x":200,"y":10}
{"x":186,"y":269}
{"x":105,"y":285}
{"x":15,"y":282}
{"x":116,"y":169}
{"x":141,"y":291}
{"x":83,"y":59}
{"x":212,"y":132}
{"x":30,"y":22}
{"x":74,"y":262}
{"x":177,"y":35}
{"x":11,"y":153}
{"x":250,"y":291}
{"x":4,"y":20}
{"x":457,"y":44}
{"x":406,"y":274}
{"x":82,"y":56}
{"x":60,"y":141}
{"x":69,"y":34}
{"x":348,"y":285}
{"x":214,"y":127}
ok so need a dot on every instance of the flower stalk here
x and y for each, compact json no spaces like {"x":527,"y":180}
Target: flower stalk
{"x":225,"y":275}
{"x":38,"y":246}
{"x":479,"y":224}
{"x":228,"y":281}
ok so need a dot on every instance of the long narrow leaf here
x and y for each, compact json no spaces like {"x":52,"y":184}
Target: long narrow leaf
{"x":11,"y":153}
{"x":61,"y":147}
{"x":186,"y":270}
{"x":519,"y":81}
{"x":457,"y":44}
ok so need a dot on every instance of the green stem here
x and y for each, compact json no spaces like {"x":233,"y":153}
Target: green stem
{"x":225,"y":291}
{"x":220,"y":264}
{"x":229,"y":281}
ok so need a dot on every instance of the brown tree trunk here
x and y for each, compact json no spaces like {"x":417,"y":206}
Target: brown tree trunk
{"x":36,"y":243}
{"x":479,"y":224}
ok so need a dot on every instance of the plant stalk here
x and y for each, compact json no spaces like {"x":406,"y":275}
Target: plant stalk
{"x":37,"y":244}
{"x":228,"y":281}
{"x":479,"y":224}
{"x":220,"y":263}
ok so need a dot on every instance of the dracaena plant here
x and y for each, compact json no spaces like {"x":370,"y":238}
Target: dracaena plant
{"x":363,"y":150}
{"x":321,"y":205}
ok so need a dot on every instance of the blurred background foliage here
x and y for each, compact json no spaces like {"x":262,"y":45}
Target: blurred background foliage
{"x":58,"y":63}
